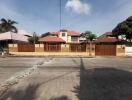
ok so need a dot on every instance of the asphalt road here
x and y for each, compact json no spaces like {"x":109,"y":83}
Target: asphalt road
{"x":100,"y":78}
{"x":9,"y":66}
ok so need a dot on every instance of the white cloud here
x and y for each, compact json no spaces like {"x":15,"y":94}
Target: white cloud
{"x":103,"y":22}
{"x":78,"y":7}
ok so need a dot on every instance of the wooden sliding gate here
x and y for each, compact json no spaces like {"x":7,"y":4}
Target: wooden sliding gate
{"x":26,"y":48}
{"x":105,"y":50}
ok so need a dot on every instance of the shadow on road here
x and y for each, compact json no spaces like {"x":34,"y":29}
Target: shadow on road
{"x":26,"y":94}
{"x":29,"y":93}
{"x":95,"y":84}
{"x":60,"y":98}
{"x":104,"y":84}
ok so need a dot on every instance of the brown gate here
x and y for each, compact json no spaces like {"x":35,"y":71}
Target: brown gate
{"x":78,"y":47}
{"x":52,"y":47}
{"x":105,"y":50}
{"x":26,"y":48}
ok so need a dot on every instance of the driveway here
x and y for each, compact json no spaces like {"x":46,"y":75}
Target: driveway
{"x":100,"y":78}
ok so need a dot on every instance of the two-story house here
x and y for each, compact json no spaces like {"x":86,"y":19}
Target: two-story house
{"x":53,"y":40}
{"x":62,"y":36}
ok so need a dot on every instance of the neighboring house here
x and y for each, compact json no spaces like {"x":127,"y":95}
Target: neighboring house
{"x":107,"y":38}
{"x":62,"y":36}
{"x":10,"y":37}
{"x":23,"y":32}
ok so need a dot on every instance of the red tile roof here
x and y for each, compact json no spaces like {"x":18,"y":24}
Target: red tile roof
{"x":70,"y":33}
{"x":106,"y":37}
{"x":73,"y":33}
{"x":54,"y":33}
{"x":51,"y":39}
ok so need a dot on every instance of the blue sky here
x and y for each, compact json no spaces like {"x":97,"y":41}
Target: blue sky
{"x":41,"y":16}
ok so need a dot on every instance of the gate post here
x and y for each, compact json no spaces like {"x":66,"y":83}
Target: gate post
{"x":88,"y":49}
{"x":93,"y":50}
{"x":13,"y":48}
{"x":120,"y":50}
{"x":65,"y":47}
{"x":39,"y":47}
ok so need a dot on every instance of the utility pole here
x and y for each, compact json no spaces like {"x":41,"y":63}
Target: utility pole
{"x":60,"y":15}
{"x":34,"y":36}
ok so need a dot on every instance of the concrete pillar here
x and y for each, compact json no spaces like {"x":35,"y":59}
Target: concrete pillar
{"x":65,"y":47}
{"x":120,"y":50}
{"x":93,"y":50}
{"x":39,"y":47}
{"x":13,"y":48}
{"x":90,"y":49}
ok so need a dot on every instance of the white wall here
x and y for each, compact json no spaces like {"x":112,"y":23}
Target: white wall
{"x":69,"y":39}
{"x":63,"y":37}
{"x":128,"y":51}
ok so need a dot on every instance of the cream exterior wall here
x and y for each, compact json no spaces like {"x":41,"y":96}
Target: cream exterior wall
{"x":82,"y":54}
{"x":13,"y":48}
{"x":120,"y":50}
{"x":65,"y":47}
{"x":67,"y":38}
{"x":39,"y":47}
{"x":64,"y":37}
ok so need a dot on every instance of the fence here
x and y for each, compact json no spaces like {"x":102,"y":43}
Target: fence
{"x":109,"y":50}
{"x":71,"y":49}
{"x":78,"y":47}
{"x":52,"y":47}
{"x":26,"y":48}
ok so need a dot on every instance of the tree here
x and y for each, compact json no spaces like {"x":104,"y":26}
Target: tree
{"x":33,"y":39}
{"x":124,"y":29}
{"x":89,"y":36}
{"x":7,"y":25}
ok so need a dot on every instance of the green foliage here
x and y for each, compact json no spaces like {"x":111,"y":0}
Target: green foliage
{"x":7,"y":25}
{"x":124,"y":28}
{"x":89,"y":36}
{"x":33,"y":39}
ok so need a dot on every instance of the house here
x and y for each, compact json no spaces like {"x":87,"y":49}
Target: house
{"x":10,"y":37}
{"x":52,"y":40}
{"x":62,"y":36}
{"x":107,"y":38}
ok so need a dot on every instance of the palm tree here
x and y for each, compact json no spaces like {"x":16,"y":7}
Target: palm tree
{"x":7,"y":25}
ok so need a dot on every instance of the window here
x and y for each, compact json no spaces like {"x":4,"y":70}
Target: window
{"x":74,"y":39}
{"x":63,"y":34}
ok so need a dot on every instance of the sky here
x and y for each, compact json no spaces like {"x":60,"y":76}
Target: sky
{"x":41,"y":16}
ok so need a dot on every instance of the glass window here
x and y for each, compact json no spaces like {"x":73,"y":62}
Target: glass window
{"x":63,"y":34}
{"x":74,"y":39}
